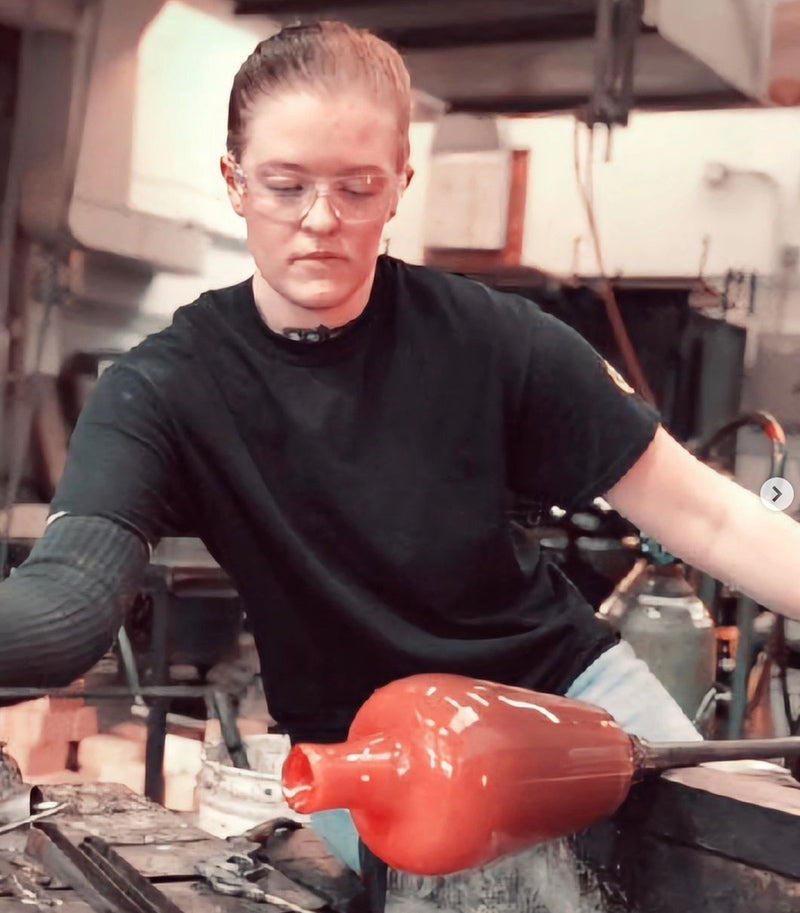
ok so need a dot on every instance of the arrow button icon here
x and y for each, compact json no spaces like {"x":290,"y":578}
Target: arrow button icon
{"x":777,"y":494}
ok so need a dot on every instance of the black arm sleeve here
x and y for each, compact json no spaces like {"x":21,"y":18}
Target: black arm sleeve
{"x":60,"y":609}
{"x":575,"y":425}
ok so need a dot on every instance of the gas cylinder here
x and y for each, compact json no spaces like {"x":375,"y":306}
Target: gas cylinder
{"x":658,"y":612}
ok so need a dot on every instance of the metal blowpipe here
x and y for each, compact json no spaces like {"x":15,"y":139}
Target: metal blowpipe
{"x":652,"y":757}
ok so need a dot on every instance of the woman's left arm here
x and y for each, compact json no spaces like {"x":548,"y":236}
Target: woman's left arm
{"x":712,"y":523}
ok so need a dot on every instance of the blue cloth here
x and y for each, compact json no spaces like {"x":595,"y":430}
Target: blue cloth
{"x":618,"y":681}
{"x":338,"y":831}
{"x":621,"y":683}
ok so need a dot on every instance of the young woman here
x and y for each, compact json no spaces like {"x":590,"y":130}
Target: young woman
{"x":344,"y":432}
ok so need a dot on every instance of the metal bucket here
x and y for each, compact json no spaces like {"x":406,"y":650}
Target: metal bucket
{"x":230,"y":800}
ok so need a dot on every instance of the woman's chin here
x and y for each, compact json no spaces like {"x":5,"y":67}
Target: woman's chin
{"x":320,"y":294}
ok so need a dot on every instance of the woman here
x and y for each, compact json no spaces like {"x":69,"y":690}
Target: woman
{"x":344,"y":432}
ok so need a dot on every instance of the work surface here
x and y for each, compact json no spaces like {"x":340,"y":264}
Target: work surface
{"x":166,"y":849}
{"x":694,"y":840}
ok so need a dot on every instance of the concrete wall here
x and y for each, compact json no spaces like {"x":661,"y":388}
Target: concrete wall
{"x":717,"y":188}
{"x":663,"y":191}
{"x":679,"y":188}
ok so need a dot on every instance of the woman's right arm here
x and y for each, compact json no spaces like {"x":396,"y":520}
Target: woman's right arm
{"x":120,"y":492}
{"x":60,"y":609}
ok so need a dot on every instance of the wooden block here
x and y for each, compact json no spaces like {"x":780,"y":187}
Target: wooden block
{"x":750,"y":817}
{"x":120,"y":815}
{"x":660,"y":875}
{"x":702,"y":839}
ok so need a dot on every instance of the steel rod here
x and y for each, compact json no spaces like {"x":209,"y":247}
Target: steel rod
{"x":657,"y":756}
{"x":108,"y":693}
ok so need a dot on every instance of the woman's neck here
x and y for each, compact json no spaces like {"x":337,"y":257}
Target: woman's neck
{"x":281,"y":314}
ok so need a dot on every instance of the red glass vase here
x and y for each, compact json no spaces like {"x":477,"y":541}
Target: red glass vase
{"x":443,"y":773}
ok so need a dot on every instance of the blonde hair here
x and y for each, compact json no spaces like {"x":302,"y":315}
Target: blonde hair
{"x":323,"y":56}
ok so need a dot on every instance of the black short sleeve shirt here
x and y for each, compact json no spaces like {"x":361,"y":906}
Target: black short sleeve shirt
{"x":357,"y":490}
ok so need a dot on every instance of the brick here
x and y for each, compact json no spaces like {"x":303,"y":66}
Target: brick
{"x":9,"y":714}
{"x":64,"y":704}
{"x":102,"y":752}
{"x":182,"y":755}
{"x":34,"y":760}
{"x":134,"y":732}
{"x":126,"y":773}
{"x":247,"y":727}
{"x":43,"y":720}
{"x":84,"y":724}
{"x":179,"y":792}
{"x":57,"y":777}
{"x":22,"y":722}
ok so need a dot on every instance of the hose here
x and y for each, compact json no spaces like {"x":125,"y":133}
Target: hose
{"x":747,"y":609}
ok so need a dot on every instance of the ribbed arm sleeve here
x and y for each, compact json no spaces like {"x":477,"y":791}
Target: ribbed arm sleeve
{"x":59,"y":610}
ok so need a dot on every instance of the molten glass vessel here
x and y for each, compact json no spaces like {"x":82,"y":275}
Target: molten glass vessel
{"x":442,"y":773}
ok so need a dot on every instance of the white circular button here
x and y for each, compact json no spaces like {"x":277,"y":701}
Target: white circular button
{"x":777,"y":494}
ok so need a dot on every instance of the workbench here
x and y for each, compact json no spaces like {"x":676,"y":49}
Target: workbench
{"x":165,"y":847}
{"x":700,"y":840}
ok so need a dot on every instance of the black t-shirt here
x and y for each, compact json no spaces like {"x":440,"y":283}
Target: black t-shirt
{"x":357,"y":490}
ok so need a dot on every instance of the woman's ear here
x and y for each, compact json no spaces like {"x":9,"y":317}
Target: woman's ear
{"x":233,"y":183}
{"x":408,"y":174}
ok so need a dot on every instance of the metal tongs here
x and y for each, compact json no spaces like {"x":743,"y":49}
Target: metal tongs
{"x":97,"y":873}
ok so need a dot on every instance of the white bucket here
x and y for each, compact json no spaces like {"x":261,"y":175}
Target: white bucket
{"x":230,"y":800}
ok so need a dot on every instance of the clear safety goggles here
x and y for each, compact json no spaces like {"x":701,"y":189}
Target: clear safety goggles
{"x":288,"y":197}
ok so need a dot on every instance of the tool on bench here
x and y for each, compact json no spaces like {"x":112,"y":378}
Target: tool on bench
{"x":41,"y":810}
{"x":97,"y":873}
{"x":21,"y":804}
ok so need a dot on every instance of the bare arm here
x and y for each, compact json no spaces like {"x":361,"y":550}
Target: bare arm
{"x":712,"y":523}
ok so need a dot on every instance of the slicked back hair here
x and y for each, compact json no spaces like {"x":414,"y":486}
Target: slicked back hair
{"x":323,"y":57}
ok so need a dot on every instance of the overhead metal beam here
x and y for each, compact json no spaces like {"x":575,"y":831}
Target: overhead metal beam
{"x":546,"y":76}
{"x":53,"y":15}
{"x":434,"y":24}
